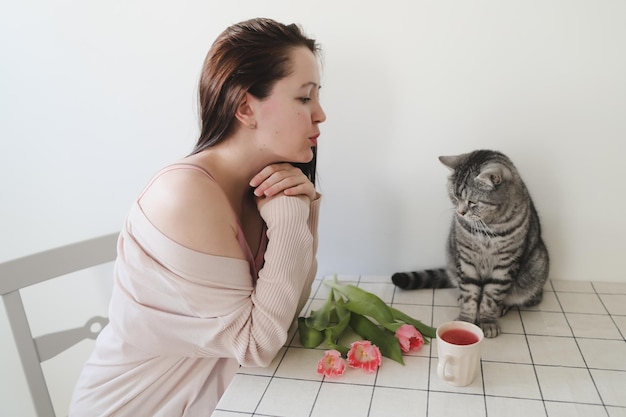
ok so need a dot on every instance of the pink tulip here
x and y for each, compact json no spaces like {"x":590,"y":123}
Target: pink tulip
{"x":331,"y":364}
{"x":409,"y":337}
{"x":363,"y":354}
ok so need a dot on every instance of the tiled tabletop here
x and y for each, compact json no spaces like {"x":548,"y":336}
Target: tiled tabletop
{"x":565,"y":357}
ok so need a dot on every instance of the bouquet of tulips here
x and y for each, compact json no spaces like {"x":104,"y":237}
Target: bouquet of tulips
{"x":387,"y":331}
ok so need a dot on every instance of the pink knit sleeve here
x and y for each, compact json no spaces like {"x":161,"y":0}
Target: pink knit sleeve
{"x":256,"y":334}
{"x":313,"y":221}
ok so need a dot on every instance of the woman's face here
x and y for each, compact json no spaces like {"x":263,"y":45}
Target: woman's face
{"x":287,"y":120}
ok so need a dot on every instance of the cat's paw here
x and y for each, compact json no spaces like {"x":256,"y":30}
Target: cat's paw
{"x":490,"y":329}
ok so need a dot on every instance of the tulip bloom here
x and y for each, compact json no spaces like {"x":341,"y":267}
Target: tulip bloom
{"x":331,"y":364}
{"x":409,"y":337}
{"x":363,"y":354}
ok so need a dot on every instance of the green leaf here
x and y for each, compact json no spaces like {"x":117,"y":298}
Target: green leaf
{"x":424,"y":329}
{"x":309,"y":337}
{"x":319,"y":319}
{"x":340,"y":306}
{"x":363,"y":302}
{"x":386,"y":342}
{"x":333,"y":344}
{"x":343,"y":319}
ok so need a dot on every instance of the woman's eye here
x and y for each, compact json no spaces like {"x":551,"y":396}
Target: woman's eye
{"x":305,"y":100}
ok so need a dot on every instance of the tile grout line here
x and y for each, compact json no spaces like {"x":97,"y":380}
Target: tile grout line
{"x":430,"y":355}
{"x":369,"y":407}
{"x":482,"y":375}
{"x":530,"y":352}
{"x":623,"y":334}
{"x":580,"y":350}
{"x":317,"y":394}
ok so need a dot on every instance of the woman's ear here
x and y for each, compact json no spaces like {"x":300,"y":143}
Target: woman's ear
{"x":245,"y":112}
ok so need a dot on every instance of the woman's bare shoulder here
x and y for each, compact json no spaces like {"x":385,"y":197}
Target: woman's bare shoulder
{"x":190,"y":208}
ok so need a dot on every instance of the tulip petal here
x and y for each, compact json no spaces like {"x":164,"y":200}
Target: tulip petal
{"x":332,"y":364}
{"x":363,"y":354}
{"x":409,"y":337}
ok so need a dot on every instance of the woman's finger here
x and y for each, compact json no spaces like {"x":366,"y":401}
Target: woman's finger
{"x":277,"y":179}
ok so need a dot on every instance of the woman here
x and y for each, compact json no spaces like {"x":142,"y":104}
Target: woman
{"x":217,"y":255}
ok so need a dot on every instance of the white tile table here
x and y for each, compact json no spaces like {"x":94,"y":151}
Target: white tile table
{"x":565,"y":357}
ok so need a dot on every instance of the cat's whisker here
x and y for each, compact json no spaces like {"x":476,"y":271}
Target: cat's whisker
{"x":487,"y":231}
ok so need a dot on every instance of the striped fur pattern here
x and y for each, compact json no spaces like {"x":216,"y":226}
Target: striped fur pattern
{"x":495,"y":253}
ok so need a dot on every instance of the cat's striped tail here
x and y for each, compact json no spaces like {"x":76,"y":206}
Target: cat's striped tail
{"x":428,"y":278}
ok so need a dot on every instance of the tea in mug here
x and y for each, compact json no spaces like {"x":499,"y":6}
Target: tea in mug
{"x":459,"y":337}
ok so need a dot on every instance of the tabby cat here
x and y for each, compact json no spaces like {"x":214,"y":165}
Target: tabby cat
{"x":495,"y":253}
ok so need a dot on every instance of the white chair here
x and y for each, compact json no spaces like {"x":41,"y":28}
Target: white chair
{"x":33,"y":269}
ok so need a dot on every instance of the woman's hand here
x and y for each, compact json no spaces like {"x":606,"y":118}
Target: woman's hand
{"x":282,"y":178}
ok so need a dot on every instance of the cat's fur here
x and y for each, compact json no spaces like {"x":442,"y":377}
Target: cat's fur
{"x":495,"y":253}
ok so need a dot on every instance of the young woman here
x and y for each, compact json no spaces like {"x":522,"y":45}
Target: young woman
{"x":217,"y":255}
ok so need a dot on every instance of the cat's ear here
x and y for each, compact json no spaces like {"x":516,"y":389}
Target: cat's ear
{"x":452,"y":161}
{"x":491,"y":176}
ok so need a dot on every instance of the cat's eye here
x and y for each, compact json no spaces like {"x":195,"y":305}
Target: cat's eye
{"x":472,"y":204}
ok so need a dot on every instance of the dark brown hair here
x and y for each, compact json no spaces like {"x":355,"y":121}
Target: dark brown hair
{"x":249,"y":56}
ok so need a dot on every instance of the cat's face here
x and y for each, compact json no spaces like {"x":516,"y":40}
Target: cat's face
{"x":474,"y":205}
{"x":478,"y":185}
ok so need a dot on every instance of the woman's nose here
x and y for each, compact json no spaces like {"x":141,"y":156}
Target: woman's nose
{"x":319,"y":116}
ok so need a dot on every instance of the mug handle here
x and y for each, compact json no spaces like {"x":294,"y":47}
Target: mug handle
{"x":441,"y":367}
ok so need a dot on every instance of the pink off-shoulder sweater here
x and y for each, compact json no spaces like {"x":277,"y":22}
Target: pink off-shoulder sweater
{"x":182,"y":322}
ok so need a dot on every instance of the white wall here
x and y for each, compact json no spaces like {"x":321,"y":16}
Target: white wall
{"x":97,"y":96}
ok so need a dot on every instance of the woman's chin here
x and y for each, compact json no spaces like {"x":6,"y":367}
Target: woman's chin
{"x":303,"y":158}
{"x":309,"y":155}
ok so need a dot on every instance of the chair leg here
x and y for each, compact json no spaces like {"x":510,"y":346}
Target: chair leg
{"x":28,"y":354}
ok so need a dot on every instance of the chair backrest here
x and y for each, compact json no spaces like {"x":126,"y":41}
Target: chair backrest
{"x":30,"y":270}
